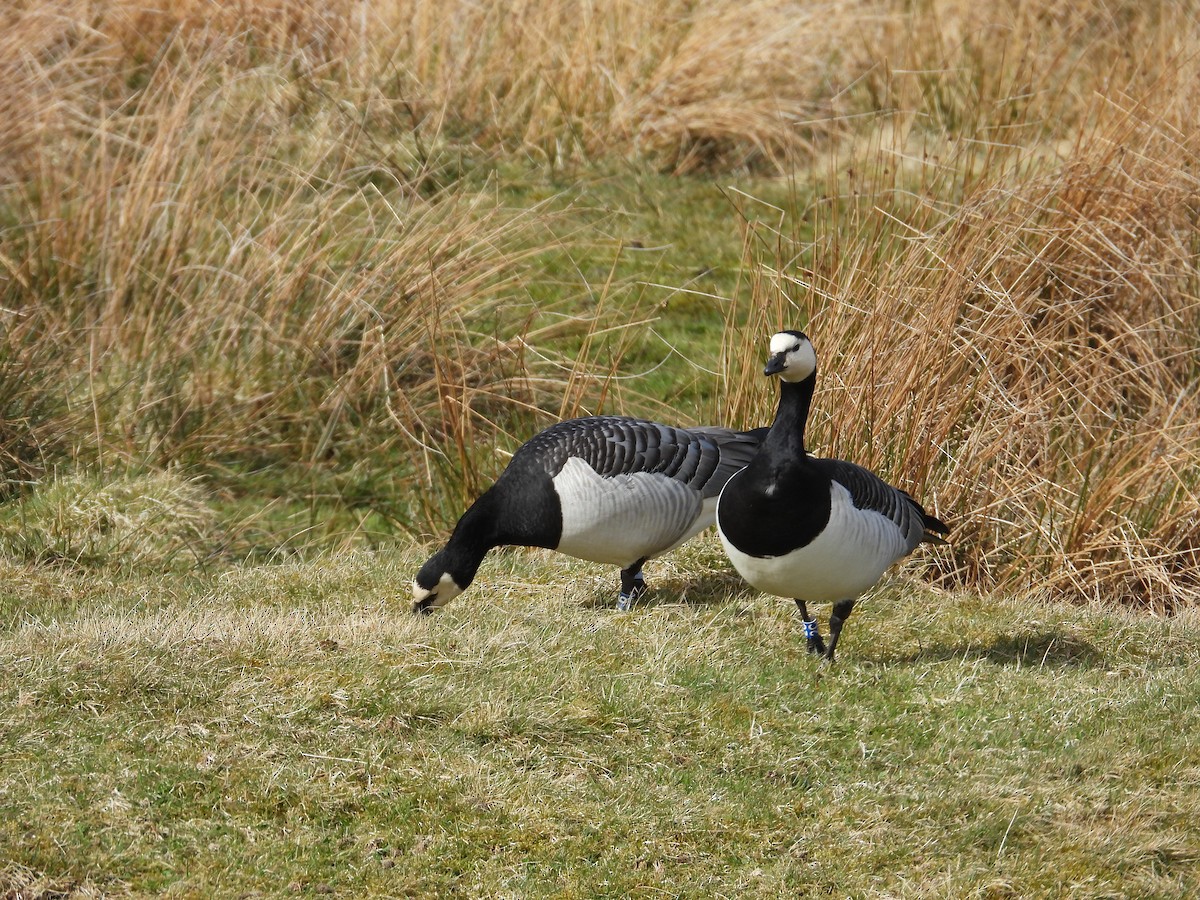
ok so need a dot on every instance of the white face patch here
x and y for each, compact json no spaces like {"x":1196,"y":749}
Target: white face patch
{"x":799,"y":358}
{"x":783,"y":342}
{"x":445,"y":591}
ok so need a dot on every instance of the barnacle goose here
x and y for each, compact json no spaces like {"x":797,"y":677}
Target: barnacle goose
{"x":817,"y":530}
{"x":610,"y":489}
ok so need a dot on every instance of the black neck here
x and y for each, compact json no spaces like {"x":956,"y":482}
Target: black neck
{"x":473,"y":537}
{"x":791,"y":419}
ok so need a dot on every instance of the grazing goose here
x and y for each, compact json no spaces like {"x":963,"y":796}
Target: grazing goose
{"x":817,"y":530}
{"x":610,"y":489}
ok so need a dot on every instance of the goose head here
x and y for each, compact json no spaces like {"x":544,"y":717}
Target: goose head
{"x":792,"y":356}
{"x":437,"y":584}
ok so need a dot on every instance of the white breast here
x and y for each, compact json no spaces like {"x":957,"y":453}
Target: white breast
{"x":849,"y":555}
{"x":622,"y":518}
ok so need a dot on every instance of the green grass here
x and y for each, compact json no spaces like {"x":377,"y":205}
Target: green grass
{"x":293,"y":729}
{"x":670,"y":248}
{"x":627,"y":246}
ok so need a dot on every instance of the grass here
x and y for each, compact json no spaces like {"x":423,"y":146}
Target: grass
{"x":331,"y":261}
{"x":294,"y":729}
{"x":282,"y":284}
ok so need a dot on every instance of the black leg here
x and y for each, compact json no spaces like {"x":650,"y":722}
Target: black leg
{"x":841,"y":612}
{"x":812,"y":631}
{"x":633,"y":585}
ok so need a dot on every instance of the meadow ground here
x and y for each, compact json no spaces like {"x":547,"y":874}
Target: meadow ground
{"x":283,"y":283}
{"x":294,"y":730}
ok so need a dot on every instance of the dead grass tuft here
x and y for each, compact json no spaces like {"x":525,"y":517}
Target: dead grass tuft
{"x":745,"y":84}
{"x":127,"y":523}
{"x":237,"y":272}
{"x":22,"y":883}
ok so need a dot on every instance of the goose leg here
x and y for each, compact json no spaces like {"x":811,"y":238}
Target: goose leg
{"x":812,"y":631}
{"x":633,"y":585}
{"x":841,"y":612}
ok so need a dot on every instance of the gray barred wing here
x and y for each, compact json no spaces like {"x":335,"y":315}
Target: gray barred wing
{"x":870,"y":492}
{"x":702,"y":458}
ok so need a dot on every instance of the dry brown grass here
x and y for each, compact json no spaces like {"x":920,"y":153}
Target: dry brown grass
{"x":222,"y":264}
{"x":686,"y":86}
{"x":22,"y":883}
{"x":1014,"y":335}
{"x":235,"y":236}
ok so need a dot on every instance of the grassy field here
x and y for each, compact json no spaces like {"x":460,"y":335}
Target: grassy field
{"x":282,"y":284}
{"x":293,"y":730}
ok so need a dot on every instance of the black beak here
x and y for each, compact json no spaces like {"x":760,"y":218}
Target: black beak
{"x":775,"y":365}
{"x":424,"y":607}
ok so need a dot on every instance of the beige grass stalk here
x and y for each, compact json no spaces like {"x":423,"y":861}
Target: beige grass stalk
{"x":689,"y":87}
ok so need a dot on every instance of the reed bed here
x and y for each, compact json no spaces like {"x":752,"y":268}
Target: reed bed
{"x":212,"y":269}
{"x":1012,"y":335}
{"x":248,"y":237}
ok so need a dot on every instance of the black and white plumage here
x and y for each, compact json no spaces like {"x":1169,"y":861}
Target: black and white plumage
{"x":609,"y":489}
{"x":817,"y":530}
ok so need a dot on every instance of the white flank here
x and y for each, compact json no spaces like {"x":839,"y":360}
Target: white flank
{"x":619,"y":519}
{"x":855,"y":548}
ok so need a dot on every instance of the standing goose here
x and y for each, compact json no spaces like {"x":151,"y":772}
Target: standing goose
{"x":609,"y":489}
{"x":817,"y":530}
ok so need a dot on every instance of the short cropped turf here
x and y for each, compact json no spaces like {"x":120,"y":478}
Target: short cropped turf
{"x":296,"y":730}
